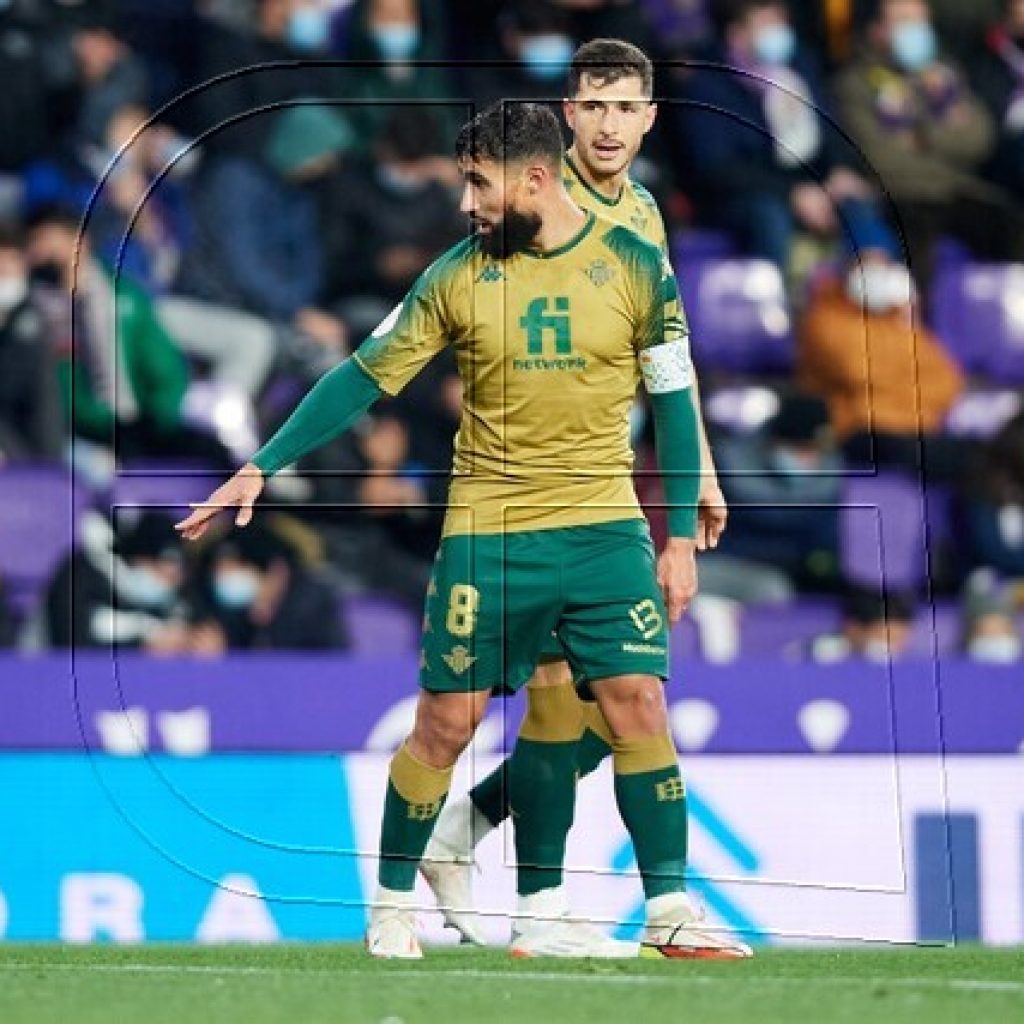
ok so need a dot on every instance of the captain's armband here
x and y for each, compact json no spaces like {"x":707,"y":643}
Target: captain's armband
{"x":667,"y":367}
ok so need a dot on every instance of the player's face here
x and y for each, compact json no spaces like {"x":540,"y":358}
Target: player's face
{"x":493,"y":196}
{"x":609,"y":121}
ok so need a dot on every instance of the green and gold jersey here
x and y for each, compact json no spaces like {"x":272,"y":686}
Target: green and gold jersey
{"x":549,"y":349}
{"x":634,"y":208}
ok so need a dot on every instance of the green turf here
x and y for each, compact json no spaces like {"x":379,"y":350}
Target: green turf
{"x":310,"y":984}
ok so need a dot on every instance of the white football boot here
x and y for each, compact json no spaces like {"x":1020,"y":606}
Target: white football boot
{"x":543,"y":928}
{"x":677,"y":930}
{"x":447,"y":866}
{"x":391,"y":934}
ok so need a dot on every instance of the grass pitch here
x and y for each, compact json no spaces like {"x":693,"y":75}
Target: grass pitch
{"x":325,"y":983}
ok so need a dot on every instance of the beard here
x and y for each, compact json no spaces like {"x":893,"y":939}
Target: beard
{"x":515,"y":232}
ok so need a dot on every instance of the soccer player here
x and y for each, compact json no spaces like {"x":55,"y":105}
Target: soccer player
{"x":609,"y":110}
{"x":554,"y":315}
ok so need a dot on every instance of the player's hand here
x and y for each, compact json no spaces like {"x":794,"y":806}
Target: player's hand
{"x":677,"y":575}
{"x":712,"y":514}
{"x":241,"y":490}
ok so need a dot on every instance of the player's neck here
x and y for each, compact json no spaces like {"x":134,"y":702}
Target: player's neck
{"x":560,"y":225}
{"x":608,"y":186}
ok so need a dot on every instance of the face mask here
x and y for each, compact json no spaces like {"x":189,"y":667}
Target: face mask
{"x":145,"y":587}
{"x":398,"y":182}
{"x":396,"y":42}
{"x":878,"y":288}
{"x":12,"y":291}
{"x":235,"y":588}
{"x":996,"y":650}
{"x":913,"y":45}
{"x":789,"y":463}
{"x":547,"y":56}
{"x":49,"y":273}
{"x":774,"y":45}
{"x":309,"y":29}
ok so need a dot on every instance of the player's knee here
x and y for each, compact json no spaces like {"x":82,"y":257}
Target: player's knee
{"x":633,"y":705}
{"x":444,"y":729}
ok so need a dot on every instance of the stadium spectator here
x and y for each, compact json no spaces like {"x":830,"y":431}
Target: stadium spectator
{"x":271,"y":32}
{"x":27,"y":108}
{"x":110,"y":74}
{"x":136,"y":223}
{"x":783,"y":485}
{"x":30,"y":415}
{"x":386,"y":221}
{"x":122,"y":378}
{"x":997,"y":72}
{"x":995,"y":520}
{"x":927,"y":134}
{"x":391,"y":36}
{"x":888,"y":381}
{"x":257,"y":595}
{"x":889,"y":385}
{"x":257,"y":243}
{"x":121,"y":590}
{"x":535,"y":49}
{"x":764,"y":160}
{"x":378,"y":511}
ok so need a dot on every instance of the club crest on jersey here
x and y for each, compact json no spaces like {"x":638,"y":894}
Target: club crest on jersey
{"x":490,"y":273}
{"x":639,"y":221}
{"x":599,"y":272}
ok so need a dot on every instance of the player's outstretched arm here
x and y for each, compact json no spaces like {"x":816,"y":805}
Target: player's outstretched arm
{"x":334,"y":403}
{"x":240,"y":492}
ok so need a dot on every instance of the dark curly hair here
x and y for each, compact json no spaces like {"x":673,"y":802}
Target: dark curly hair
{"x":510,"y":132}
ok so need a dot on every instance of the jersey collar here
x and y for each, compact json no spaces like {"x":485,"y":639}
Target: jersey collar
{"x":600,"y":197}
{"x":571,"y":244}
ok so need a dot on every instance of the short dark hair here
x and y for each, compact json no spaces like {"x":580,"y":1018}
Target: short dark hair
{"x":12,"y":235}
{"x":731,"y":12}
{"x":411,"y":133}
{"x":608,"y":61}
{"x":510,"y":132}
{"x":54,"y":215}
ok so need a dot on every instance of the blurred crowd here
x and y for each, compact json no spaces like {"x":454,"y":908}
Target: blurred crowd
{"x":238,"y":191}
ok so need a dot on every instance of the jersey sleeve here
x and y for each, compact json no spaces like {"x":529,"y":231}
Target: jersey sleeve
{"x":431,"y":315}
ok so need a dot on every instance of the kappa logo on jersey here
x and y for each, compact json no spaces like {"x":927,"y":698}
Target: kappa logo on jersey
{"x":548,"y":328}
{"x":490,"y":273}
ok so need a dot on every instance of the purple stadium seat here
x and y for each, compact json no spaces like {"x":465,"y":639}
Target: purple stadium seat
{"x":978,"y":312}
{"x":786,"y":631}
{"x":739,"y":315}
{"x":678,"y":22}
{"x":164,"y":485}
{"x":377,"y":625}
{"x":882,"y":535}
{"x":38,"y":509}
{"x":696,"y":244}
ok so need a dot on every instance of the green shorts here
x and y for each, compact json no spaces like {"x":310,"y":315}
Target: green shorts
{"x":495,"y":600}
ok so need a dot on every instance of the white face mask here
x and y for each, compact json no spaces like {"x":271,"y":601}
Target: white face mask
{"x":12,"y":291}
{"x":879,"y":287}
{"x":995,"y":650}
